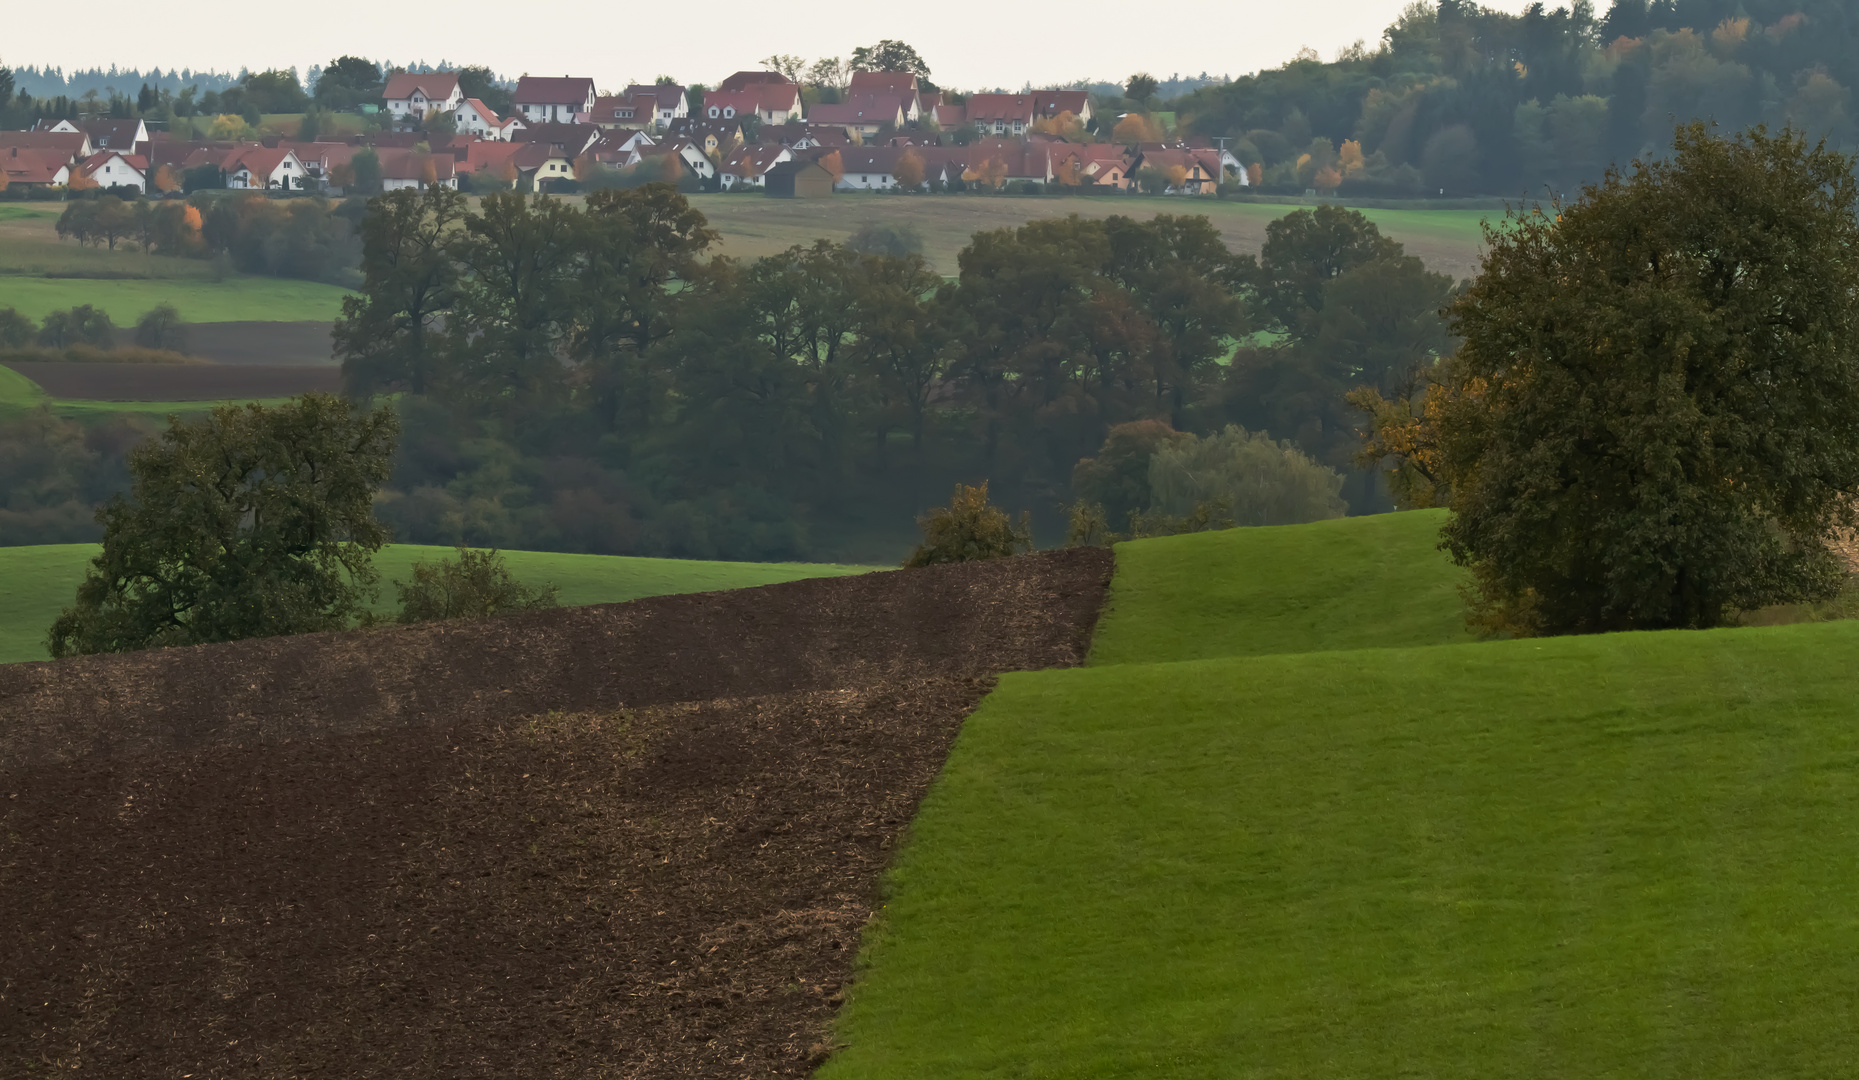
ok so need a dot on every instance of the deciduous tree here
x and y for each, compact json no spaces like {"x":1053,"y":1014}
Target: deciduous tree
{"x":1653,"y":419}
{"x":253,"y":521}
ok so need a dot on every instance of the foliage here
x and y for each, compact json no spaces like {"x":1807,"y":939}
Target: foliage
{"x":1654,"y":418}
{"x":82,"y":325}
{"x":886,"y":238}
{"x":891,"y":55}
{"x":968,"y":529}
{"x":1116,"y":480}
{"x":16,"y":330}
{"x":348,"y":82}
{"x":161,"y":328}
{"x":1352,"y":310}
{"x":1257,"y":480}
{"x":477,"y":585}
{"x":250,"y":522}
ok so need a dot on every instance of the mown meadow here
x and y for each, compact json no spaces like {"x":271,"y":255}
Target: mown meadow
{"x":1292,"y":822}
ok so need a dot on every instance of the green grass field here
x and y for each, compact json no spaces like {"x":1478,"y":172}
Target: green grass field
{"x":1351,"y":583}
{"x":1612,"y":856}
{"x":232,"y":300}
{"x":753,"y":225}
{"x":36,"y":582}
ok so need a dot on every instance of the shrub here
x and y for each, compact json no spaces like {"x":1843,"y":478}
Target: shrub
{"x":1257,"y":480}
{"x":478,"y":585}
{"x":885,"y":238}
{"x":968,"y":529}
{"x":161,"y":328}
{"x":16,"y":330}
{"x":82,"y":325}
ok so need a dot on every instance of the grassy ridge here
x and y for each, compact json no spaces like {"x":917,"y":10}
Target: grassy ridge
{"x":36,"y":582}
{"x":1351,"y":583}
{"x":1607,"y":856}
{"x":1300,"y":855}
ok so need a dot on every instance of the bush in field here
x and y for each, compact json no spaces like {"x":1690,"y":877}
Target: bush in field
{"x":1117,"y":479}
{"x":1258,"y":480}
{"x":475,"y":586}
{"x":16,"y":330}
{"x":82,"y":325}
{"x":970,"y":528}
{"x":161,"y":328}
{"x":886,"y":238}
{"x":248,"y":522}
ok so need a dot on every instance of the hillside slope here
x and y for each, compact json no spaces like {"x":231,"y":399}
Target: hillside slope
{"x":1351,"y":583}
{"x":1607,"y":856}
{"x":629,"y":840}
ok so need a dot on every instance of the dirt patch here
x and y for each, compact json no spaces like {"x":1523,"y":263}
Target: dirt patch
{"x":179,"y":382}
{"x":633,"y":840}
{"x":269,"y":343}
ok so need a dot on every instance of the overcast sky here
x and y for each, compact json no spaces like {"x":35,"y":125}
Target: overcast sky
{"x":967,"y":43}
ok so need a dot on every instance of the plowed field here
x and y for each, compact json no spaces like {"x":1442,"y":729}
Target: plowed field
{"x":179,"y":382}
{"x":630,"y":840}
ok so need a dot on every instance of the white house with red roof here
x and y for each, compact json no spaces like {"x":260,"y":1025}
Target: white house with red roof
{"x":412,"y":96}
{"x":263,"y":168}
{"x":473,"y":117}
{"x":27,"y":166}
{"x":898,"y":86}
{"x":546,"y":100}
{"x":748,"y":166}
{"x":771,"y":103}
{"x":403,"y":170}
{"x":109,"y":168}
{"x":661,"y":104}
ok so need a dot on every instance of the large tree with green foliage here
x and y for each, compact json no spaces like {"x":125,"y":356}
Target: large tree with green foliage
{"x":1654,"y":418}
{"x":252,"y":521}
{"x":385,"y":337}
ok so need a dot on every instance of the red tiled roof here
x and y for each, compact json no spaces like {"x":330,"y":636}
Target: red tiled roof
{"x":542,"y":90}
{"x":407,"y":165}
{"x":861,"y":110}
{"x":742,"y":80}
{"x":893,"y":83}
{"x":436,"y":85}
{"x":32,"y":165}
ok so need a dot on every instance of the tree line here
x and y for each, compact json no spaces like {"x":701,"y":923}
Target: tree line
{"x":1459,"y":99}
{"x":595,"y":378}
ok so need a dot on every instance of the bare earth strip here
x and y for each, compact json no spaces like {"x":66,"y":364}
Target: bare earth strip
{"x":634,"y":840}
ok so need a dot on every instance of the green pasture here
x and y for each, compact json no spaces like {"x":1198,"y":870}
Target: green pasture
{"x":236,"y":299}
{"x":752,"y":225}
{"x":1351,"y":583}
{"x":36,"y":582}
{"x":1253,"y":841}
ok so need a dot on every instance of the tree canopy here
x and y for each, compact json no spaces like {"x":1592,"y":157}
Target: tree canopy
{"x":252,"y":521}
{"x":1653,"y":418}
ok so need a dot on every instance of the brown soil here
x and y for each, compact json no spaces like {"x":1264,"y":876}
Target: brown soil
{"x":179,"y":382}
{"x":291,"y":343}
{"x":633,"y":840}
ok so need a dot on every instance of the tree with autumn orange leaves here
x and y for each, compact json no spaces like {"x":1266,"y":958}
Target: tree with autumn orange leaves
{"x":834,"y":164}
{"x":1065,"y":125}
{"x":1136,"y":128}
{"x":909,"y":170}
{"x":166,"y":180}
{"x":80,"y":182}
{"x":989,"y":172}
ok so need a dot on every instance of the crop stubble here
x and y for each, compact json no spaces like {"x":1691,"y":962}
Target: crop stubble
{"x":628,"y":840}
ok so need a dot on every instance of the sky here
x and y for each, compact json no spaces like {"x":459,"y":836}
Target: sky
{"x":969,"y":44}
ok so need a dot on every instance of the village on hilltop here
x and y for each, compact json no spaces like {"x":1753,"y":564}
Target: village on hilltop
{"x":751,"y":132}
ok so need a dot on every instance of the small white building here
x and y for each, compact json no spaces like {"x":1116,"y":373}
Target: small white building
{"x":475,"y":118}
{"x":543,"y":100}
{"x":412,"y":96}
{"x":110,"y":169}
{"x":261,"y":168}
